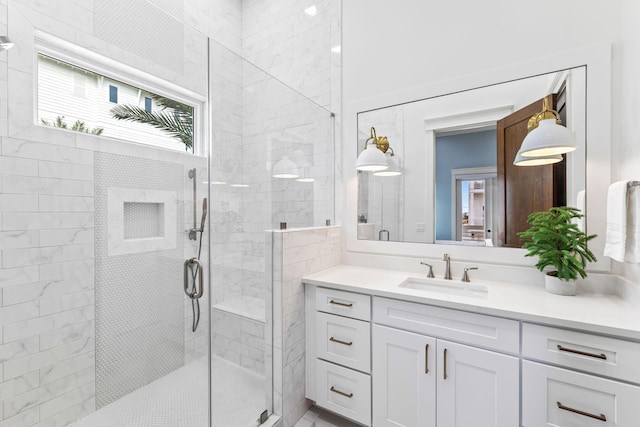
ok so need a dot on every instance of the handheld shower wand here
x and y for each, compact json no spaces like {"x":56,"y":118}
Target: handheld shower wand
{"x":204,"y":215}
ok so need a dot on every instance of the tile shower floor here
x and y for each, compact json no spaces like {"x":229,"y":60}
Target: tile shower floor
{"x":179,"y":400}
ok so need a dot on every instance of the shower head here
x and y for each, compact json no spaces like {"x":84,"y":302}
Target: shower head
{"x":204,"y":214}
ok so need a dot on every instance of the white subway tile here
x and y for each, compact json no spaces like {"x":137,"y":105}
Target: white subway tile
{"x":51,"y":152}
{"x":19,"y":276}
{"x":20,"y":385}
{"x":68,"y":399}
{"x":66,"y":236}
{"x":64,"y":270}
{"x":37,"y":361}
{"x":50,"y":394}
{"x":19,"y":348}
{"x":18,"y":239}
{"x":65,"y":204}
{"x":38,"y":325}
{"x":47,"y":186}
{"x":46,"y":255}
{"x":19,"y":312}
{"x":18,"y":203}
{"x":67,"y":367}
{"x":26,"y":418}
{"x":66,"y":302}
{"x":44,"y":221}
{"x":71,"y":414}
{"x":48,"y":289}
{"x":48,"y":169}
{"x":18,"y":166}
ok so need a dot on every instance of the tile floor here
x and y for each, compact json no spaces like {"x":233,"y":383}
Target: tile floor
{"x":316,"y":417}
{"x":179,"y":400}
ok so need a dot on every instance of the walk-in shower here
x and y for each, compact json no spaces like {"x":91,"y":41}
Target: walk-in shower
{"x":135,"y":276}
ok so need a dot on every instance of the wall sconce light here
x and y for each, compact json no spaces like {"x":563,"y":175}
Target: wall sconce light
{"x":5,"y":43}
{"x":546,"y":136}
{"x":285,"y":168}
{"x":373,"y":158}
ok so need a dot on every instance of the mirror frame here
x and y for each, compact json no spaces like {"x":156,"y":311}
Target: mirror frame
{"x":596,"y":59}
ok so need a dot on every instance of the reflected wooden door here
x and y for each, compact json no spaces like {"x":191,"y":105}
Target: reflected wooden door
{"x":523,"y":189}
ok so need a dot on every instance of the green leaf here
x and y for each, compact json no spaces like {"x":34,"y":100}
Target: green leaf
{"x":180,"y":127}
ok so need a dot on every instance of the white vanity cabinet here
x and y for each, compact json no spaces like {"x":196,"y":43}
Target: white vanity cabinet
{"x":558,"y":396}
{"x":339,"y":352}
{"x":421,"y":380}
{"x":382,"y":361}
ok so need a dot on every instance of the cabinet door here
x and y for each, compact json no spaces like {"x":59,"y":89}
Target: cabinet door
{"x":477,"y":387}
{"x":404,"y":378}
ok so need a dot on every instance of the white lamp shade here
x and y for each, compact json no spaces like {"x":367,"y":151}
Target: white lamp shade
{"x":548,"y":139}
{"x":520,"y":160}
{"x":371,"y":159}
{"x":285,"y":168}
{"x":392,"y":170}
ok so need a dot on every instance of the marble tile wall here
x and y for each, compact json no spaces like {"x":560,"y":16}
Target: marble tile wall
{"x":239,"y":339}
{"x":47,"y":234}
{"x":294,"y":254}
{"x":295,"y":48}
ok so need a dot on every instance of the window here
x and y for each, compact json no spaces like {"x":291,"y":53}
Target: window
{"x":110,"y":107}
{"x":113,"y":94}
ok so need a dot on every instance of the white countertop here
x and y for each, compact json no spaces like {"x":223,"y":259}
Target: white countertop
{"x":604,"y":313}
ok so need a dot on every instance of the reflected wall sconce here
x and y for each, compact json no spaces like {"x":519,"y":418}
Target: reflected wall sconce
{"x":5,"y":43}
{"x":520,"y":160}
{"x":285,"y":168}
{"x":374,"y":159}
{"x":546,"y":136}
{"x":393,"y":165}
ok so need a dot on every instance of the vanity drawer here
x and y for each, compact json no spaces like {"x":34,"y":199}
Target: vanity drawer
{"x":344,"y":341}
{"x":595,"y":354}
{"x":561,"y":398}
{"x":348,"y":304}
{"x":343,"y":391}
{"x":469,"y":328}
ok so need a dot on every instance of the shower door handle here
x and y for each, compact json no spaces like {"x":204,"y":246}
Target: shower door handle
{"x":187,"y":267}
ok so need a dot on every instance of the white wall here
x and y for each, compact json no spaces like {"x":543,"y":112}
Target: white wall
{"x":429,"y":44}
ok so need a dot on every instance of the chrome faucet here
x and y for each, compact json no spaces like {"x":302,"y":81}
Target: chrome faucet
{"x":447,"y":272}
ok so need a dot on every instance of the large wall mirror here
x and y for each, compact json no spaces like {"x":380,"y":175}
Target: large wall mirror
{"x":458,"y":183}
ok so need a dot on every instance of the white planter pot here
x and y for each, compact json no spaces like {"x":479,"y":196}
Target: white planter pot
{"x":557,"y":286}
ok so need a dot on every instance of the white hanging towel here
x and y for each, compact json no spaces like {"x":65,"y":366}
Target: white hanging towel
{"x":633,"y":223}
{"x":623,"y":222}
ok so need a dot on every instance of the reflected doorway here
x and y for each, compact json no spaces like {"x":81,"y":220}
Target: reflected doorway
{"x":473,"y":204}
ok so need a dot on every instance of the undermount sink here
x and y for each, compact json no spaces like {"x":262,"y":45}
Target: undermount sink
{"x":449,"y":287}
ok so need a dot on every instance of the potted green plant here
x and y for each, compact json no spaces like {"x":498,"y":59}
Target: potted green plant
{"x":556,"y":240}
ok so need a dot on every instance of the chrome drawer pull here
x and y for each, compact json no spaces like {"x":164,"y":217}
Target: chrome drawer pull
{"x":582,"y":353}
{"x":340,"y":342}
{"x":600,"y":417}
{"x":340,"y":303}
{"x":341,"y":393}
